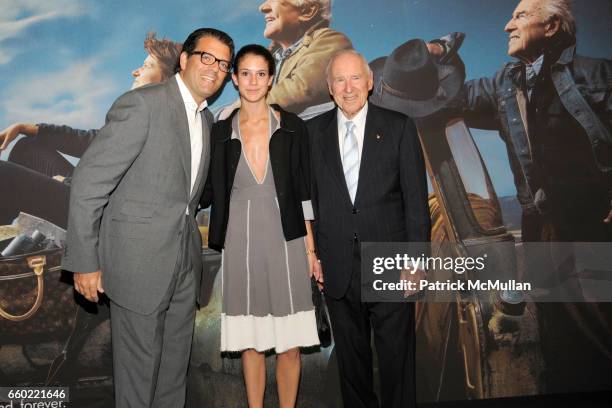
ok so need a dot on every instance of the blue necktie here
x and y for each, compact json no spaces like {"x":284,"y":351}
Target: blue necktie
{"x":350,"y":160}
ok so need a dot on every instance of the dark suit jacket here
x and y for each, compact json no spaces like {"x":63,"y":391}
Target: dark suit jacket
{"x":391,"y":199}
{"x":290,"y":167}
{"x":129,"y":195}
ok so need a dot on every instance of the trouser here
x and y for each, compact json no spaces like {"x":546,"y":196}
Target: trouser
{"x":575,"y":337}
{"x":151,"y":352}
{"x":25,"y":190}
{"x":393,"y":326}
{"x":30,"y":153}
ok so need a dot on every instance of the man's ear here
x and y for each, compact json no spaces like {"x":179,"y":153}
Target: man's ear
{"x":183,"y":60}
{"x":309,"y":11}
{"x":552,"y":27}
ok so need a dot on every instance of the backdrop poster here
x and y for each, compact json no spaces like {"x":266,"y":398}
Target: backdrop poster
{"x":63,"y":63}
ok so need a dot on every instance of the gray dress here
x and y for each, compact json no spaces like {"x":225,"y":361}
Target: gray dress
{"x":267,"y":301}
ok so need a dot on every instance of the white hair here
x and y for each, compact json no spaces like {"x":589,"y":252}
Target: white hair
{"x":340,"y":53}
{"x":561,"y":10}
{"x":324,"y":7}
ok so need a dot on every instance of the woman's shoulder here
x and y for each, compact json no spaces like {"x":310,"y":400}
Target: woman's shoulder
{"x":289,"y":120}
{"x":223,"y":126}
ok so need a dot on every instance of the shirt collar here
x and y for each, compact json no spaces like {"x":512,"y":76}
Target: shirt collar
{"x":536,"y":65}
{"x":280,"y":54}
{"x":358,"y":119}
{"x":187,"y":97}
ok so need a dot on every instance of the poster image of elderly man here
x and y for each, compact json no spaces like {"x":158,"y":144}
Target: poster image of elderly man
{"x":552,"y":109}
{"x":302,"y":43}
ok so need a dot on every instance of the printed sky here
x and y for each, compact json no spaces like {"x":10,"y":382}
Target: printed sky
{"x":65,"y":61}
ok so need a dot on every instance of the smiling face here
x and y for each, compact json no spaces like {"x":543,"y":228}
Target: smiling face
{"x":149,"y":73}
{"x":529,"y":31}
{"x":204,"y":80}
{"x":283,"y":21}
{"x":252,"y":78}
{"x":349,"y":83}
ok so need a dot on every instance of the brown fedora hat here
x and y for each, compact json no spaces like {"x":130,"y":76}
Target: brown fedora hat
{"x":411,"y":81}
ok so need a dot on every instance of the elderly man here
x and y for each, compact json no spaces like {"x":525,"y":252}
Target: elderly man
{"x":302,"y":44}
{"x":131,"y":226}
{"x":368,"y":181}
{"x":553,"y":110}
{"x":35,"y":167}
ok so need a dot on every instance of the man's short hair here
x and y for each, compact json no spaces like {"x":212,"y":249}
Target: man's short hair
{"x":339,"y":54}
{"x":561,"y":10}
{"x":324,"y":7}
{"x":192,"y":40}
{"x":166,"y":53}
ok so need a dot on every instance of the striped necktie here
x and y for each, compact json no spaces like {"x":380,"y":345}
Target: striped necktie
{"x":350,"y":160}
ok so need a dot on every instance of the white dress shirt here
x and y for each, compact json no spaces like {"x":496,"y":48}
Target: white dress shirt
{"x":359,"y":130}
{"x":194,"y":119}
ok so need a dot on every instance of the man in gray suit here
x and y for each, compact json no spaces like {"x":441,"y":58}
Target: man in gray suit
{"x":131,"y":224}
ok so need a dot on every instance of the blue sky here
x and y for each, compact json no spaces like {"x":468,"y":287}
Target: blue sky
{"x":65,"y":61}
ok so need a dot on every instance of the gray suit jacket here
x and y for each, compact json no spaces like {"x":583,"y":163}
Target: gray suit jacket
{"x":129,"y":194}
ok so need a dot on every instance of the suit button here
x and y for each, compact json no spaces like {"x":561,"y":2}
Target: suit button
{"x":355,"y":211}
{"x":355,"y":237}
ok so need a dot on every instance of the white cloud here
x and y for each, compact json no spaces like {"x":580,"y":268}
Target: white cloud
{"x":77,"y":96}
{"x":16,"y":9}
{"x":19,"y":15}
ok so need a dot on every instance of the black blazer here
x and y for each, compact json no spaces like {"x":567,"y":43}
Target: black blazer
{"x":289,"y":158}
{"x":391,"y":199}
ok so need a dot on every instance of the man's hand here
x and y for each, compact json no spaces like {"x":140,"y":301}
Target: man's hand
{"x":10,"y":133}
{"x":89,"y":284}
{"x":436,"y":50}
{"x":316,"y":270}
{"x":608,"y":219}
{"x":407,"y":275}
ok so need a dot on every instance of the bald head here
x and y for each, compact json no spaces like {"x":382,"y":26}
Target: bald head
{"x":350,"y":80}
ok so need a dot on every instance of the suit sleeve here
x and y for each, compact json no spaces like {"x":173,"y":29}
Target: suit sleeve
{"x":413,"y":180}
{"x":301,"y":165}
{"x":312,"y":173}
{"x":98,"y":173}
{"x":65,"y":139}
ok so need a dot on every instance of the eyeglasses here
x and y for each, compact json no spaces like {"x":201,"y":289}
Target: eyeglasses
{"x":209,"y":59}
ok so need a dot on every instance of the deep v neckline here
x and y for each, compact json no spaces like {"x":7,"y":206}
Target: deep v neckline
{"x":246,"y":158}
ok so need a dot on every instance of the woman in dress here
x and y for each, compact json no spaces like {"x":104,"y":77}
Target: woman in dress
{"x":260,"y":214}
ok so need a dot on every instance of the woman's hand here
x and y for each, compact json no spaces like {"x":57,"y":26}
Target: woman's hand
{"x":315,"y":270}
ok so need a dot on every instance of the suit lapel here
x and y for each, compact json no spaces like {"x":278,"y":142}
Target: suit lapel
{"x":179,"y":119}
{"x":331,"y":153}
{"x":370,"y":155}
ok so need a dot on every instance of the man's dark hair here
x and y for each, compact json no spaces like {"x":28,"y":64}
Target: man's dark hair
{"x":255,"y":49}
{"x":191,"y":41}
